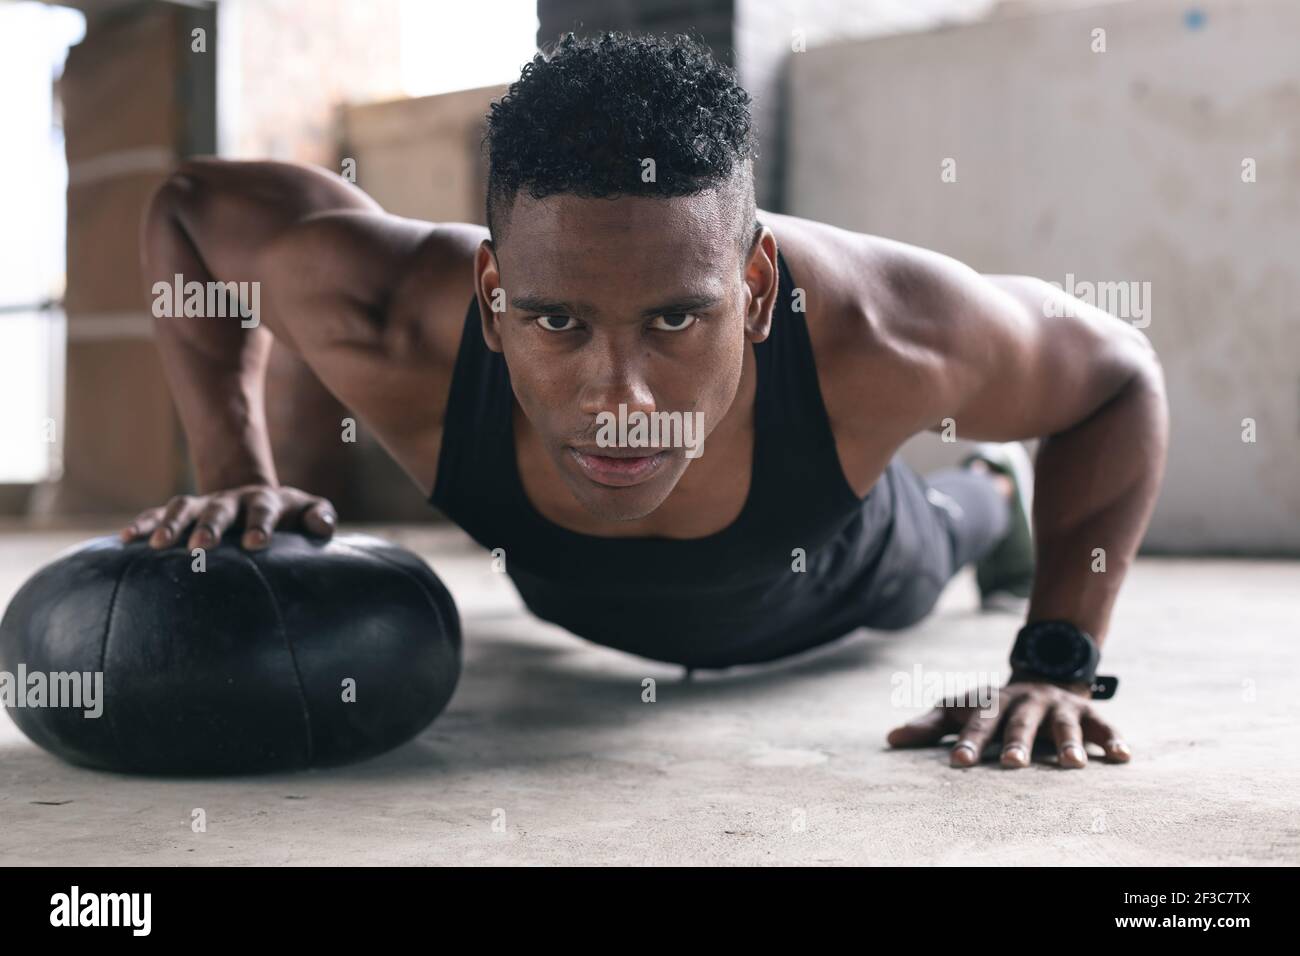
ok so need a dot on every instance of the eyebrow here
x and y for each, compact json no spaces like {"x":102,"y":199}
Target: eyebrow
{"x":542,"y":306}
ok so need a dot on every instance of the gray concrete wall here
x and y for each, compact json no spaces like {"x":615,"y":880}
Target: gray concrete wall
{"x":769,"y":32}
{"x":757,"y":38}
{"x":709,"y":20}
{"x":1117,"y":166}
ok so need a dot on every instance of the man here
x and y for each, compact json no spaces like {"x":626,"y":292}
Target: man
{"x":626,"y":275}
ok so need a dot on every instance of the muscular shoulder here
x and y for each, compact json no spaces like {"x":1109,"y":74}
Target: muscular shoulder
{"x":376,"y":304}
{"x":876,"y":313}
{"x":375,"y":280}
{"x":901,"y":335}
{"x":905,"y":337}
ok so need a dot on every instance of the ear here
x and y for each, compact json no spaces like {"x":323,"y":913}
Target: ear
{"x":490,"y":293}
{"x":762,"y":281}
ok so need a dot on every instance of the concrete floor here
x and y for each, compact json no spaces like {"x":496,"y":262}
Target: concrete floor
{"x":549,"y":734}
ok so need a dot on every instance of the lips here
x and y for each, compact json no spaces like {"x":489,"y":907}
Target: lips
{"x":620,"y":469}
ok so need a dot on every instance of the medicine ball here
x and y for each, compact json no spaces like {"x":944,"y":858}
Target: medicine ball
{"x":305,"y":654}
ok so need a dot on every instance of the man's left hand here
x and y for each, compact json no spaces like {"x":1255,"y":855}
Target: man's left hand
{"x":1024,"y":710}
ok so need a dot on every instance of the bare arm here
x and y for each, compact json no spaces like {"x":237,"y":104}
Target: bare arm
{"x":276,"y":225}
{"x":914,"y":338}
{"x":379,"y":304}
{"x":1009,"y":357}
{"x":213,"y":221}
{"x":1097,"y":478}
{"x":1021,"y":359}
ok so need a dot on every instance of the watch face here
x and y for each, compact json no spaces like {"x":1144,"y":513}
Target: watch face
{"x":1055,"y":649}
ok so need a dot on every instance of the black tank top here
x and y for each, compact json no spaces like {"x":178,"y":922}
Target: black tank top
{"x":692,"y":601}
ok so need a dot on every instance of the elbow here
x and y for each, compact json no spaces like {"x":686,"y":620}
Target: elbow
{"x":1147,"y":371}
{"x":161,"y":235}
{"x":1146,"y":391}
{"x":1141,"y":362}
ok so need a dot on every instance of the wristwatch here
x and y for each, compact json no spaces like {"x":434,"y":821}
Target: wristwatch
{"x":1058,"y":651}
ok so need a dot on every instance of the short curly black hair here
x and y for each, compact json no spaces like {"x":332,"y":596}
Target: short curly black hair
{"x":582,"y":119}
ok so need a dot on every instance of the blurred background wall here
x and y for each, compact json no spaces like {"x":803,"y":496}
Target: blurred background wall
{"x":1123,"y":164}
{"x":1163,"y":150}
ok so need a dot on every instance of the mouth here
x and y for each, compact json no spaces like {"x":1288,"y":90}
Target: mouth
{"x":621,"y":469}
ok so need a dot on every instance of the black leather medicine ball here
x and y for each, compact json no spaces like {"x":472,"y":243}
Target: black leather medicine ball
{"x":304,"y":654}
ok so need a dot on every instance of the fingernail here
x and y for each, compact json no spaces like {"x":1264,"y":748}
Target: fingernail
{"x":255,"y":538}
{"x":328,"y":517}
{"x":1015,"y":754}
{"x":1075,"y":753}
{"x":964,"y":753}
{"x":1119,"y":747}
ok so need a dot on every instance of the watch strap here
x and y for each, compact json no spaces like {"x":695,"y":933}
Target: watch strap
{"x":1104,"y":686}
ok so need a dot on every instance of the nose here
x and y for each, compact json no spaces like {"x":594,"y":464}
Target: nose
{"x":616,"y":378}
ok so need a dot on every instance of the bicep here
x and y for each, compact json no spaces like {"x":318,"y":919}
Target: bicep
{"x":374,"y":305}
{"x":1019,"y":358}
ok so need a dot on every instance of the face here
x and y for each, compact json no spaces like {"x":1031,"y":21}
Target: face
{"x":645,"y":303}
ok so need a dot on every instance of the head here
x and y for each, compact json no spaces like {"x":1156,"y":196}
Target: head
{"x":625,"y":266}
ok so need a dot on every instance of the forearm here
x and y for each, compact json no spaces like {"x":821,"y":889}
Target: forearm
{"x":1096,"y":485}
{"x":215,"y":367}
{"x":219,"y":399}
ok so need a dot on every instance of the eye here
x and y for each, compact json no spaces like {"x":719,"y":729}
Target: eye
{"x":555,"y":323}
{"x":673,"y":321}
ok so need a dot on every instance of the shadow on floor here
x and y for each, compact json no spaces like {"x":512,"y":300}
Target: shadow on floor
{"x":515,"y":689}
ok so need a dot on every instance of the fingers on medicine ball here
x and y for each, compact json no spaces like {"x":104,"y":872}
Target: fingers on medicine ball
{"x":317,"y":516}
{"x":176,"y":517}
{"x":212,"y":521}
{"x":262,"y":511}
{"x":143,"y":524}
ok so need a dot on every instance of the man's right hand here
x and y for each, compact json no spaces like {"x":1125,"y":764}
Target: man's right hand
{"x":260,"y":509}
